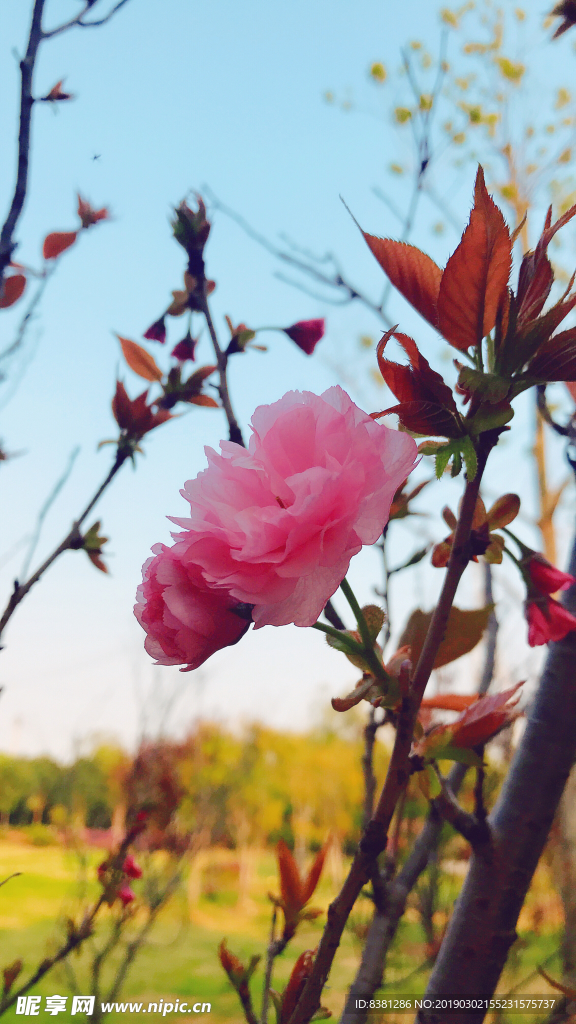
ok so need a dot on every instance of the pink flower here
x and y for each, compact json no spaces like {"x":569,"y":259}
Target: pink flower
{"x":306,"y":334}
{"x":185,"y":620}
{"x":550,"y":621}
{"x":547,"y":577}
{"x":275,"y":526}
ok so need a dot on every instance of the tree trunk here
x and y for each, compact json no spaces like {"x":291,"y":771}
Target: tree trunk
{"x":483,"y":925}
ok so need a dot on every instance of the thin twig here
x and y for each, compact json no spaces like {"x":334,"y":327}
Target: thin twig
{"x":7,"y":244}
{"x":271,"y":954}
{"x":76,"y":936}
{"x":71,"y":541}
{"x":46,"y":508}
{"x":375,"y":835}
{"x":78,"y":20}
{"x":222,"y":361}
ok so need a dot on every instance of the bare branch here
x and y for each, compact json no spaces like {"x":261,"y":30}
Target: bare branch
{"x":7,"y":244}
{"x":78,"y":21}
{"x":46,"y":508}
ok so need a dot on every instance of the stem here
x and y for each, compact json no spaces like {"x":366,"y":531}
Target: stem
{"x":375,"y":835}
{"x":234,"y":431}
{"x":368,"y":644}
{"x":483,"y":926}
{"x":71,"y":541}
{"x":35,"y":36}
{"x":270,"y":956}
{"x":386,"y":920}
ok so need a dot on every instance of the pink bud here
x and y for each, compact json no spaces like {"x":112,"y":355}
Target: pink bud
{"x":156,"y":331}
{"x":125,"y":894}
{"x":306,"y":334}
{"x":547,"y":577}
{"x":185,"y":349}
{"x":131,"y":868}
{"x":548,"y":622}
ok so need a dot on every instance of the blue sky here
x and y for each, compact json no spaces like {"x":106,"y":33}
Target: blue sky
{"x":172,"y":96}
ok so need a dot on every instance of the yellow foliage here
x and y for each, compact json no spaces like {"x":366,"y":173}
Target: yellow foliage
{"x":402,"y":115}
{"x":565,"y":157}
{"x":397,"y":168}
{"x":563,"y":97}
{"x":378,"y":72}
{"x":510,"y":69}
{"x":425,"y":101}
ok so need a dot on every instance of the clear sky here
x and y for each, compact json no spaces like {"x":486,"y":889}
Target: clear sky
{"x":172,"y":94}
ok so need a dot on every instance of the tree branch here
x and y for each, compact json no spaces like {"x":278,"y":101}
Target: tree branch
{"x":71,"y":541}
{"x":483,"y":925}
{"x":234,"y":431}
{"x":385,"y":921}
{"x":375,"y":835}
{"x":78,"y":21}
{"x":7,"y":244}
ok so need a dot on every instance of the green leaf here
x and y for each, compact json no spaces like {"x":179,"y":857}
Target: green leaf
{"x":465,"y":756}
{"x":456,"y":464}
{"x":489,"y":417}
{"x":491,"y":388}
{"x":344,"y":642}
{"x":374,"y":617}
{"x":443,"y":457}
{"x":433,"y":782}
{"x":470,"y":458}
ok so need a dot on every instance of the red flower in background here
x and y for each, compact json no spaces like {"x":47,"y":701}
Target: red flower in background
{"x":306,"y":334}
{"x":547,"y":620}
{"x":547,"y":577}
{"x":157,"y":331}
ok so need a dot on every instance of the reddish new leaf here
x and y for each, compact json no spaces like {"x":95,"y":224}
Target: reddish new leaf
{"x":556,"y":360}
{"x":313,"y":876}
{"x":416,"y":276}
{"x":450,"y":701}
{"x":57,"y":242}
{"x":206,"y":400}
{"x":485,"y":718}
{"x":426,"y":403}
{"x":290,"y":885}
{"x":298,"y":978}
{"x":139,"y":360}
{"x":424,"y":418}
{"x":476,"y":274}
{"x":12,"y":290}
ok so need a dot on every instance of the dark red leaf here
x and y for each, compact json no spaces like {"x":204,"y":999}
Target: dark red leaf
{"x":57,"y":242}
{"x":476,"y":274}
{"x":556,"y":360}
{"x":300,"y":974}
{"x":12,"y":290}
{"x":416,"y":276}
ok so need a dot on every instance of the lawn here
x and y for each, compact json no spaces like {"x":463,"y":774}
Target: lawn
{"x":180,"y":960}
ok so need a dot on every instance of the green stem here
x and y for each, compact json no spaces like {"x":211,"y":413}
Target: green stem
{"x":343,"y":638}
{"x":368,"y":651}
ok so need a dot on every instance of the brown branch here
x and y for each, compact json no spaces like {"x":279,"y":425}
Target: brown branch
{"x":375,"y":835}
{"x":234,"y":431}
{"x":482,"y":928}
{"x":36,"y":36}
{"x":7,"y":244}
{"x":475,"y":830}
{"x":71,"y":541}
{"x":385,"y":922}
{"x":78,"y":21}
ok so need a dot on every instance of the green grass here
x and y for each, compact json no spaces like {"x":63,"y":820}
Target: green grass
{"x":180,"y":959}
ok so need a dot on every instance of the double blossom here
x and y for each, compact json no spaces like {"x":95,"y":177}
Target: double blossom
{"x":272,"y":528}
